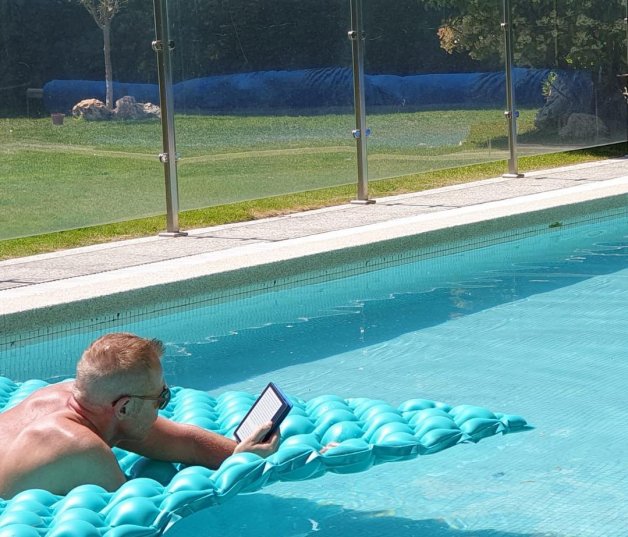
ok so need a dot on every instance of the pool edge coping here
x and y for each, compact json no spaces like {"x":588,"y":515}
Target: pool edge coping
{"x":37,"y":306}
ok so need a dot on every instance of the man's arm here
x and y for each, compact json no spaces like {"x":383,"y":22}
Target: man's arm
{"x":178,"y":442}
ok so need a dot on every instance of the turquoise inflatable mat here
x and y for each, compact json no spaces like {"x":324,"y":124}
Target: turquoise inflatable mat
{"x":369,"y":432}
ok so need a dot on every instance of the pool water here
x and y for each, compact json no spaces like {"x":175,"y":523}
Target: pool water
{"x":535,"y":326}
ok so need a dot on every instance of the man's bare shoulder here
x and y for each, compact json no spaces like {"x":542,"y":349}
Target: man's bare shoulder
{"x":47,"y":445}
{"x":45,"y":414}
{"x":59,"y":463}
{"x":66,"y":432}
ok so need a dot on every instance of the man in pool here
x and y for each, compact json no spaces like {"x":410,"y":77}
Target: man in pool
{"x":61,"y":436}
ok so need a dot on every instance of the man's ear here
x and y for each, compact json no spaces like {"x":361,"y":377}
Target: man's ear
{"x":122,"y":408}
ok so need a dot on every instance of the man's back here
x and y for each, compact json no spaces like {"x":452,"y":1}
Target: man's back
{"x":48,"y":445}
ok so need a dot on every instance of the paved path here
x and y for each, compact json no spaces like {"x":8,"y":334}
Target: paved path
{"x":76,"y":274}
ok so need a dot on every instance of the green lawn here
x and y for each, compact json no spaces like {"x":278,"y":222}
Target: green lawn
{"x":84,"y":174}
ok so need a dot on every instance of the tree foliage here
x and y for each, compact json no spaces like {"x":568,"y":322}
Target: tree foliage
{"x":570,"y":34}
{"x":558,"y":34}
{"x":41,"y":40}
{"x":103,"y":12}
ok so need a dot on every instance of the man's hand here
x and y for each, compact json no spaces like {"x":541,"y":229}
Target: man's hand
{"x":255,"y":444}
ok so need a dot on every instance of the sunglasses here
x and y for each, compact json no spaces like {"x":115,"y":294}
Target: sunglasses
{"x":162,"y":399}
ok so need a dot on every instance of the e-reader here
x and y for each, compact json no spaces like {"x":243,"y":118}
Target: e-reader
{"x":272,"y":405}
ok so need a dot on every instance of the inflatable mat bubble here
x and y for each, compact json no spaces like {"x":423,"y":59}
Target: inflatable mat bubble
{"x":367,"y":431}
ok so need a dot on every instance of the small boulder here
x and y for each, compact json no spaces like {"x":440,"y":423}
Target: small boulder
{"x":91,"y":110}
{"x":128,"y":108}
{"x":152,"y":110}
{"x":583,"y":127}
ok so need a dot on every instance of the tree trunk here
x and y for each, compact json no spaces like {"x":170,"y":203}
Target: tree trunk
{"x":106,"y":33}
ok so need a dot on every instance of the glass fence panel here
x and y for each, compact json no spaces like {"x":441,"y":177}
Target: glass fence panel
{"x":263,"y":98}
{"x":579,"y":50}
{"x":434,"y":99}
{"x":58,"y":171}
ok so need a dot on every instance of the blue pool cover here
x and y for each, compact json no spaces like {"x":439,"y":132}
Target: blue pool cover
{"x":323,"y":88}
{"x":368,"y":431}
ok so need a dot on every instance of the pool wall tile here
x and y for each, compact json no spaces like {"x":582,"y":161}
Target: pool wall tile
{"x":116,"y":310}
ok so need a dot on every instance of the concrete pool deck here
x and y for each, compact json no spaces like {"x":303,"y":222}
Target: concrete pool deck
{"x":80,"y":274}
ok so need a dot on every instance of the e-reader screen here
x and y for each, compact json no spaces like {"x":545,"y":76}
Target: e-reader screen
{"x":272,"y":405}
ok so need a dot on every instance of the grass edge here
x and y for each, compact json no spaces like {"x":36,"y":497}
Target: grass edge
{"x":244,"y":211}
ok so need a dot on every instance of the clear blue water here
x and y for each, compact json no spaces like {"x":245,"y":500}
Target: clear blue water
{"x":536,"y":326}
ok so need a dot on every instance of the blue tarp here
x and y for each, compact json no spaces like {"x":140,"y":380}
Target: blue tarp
{"x":317,"y":88}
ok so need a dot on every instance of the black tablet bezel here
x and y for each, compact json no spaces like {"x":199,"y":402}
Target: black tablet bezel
{"x":278,"y":417}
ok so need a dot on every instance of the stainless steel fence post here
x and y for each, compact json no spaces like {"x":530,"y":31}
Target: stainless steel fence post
{"x":511,"y":114}
{"x":360,"y":133}
{"x":625,"y":92}
{"x":163,"y":46}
